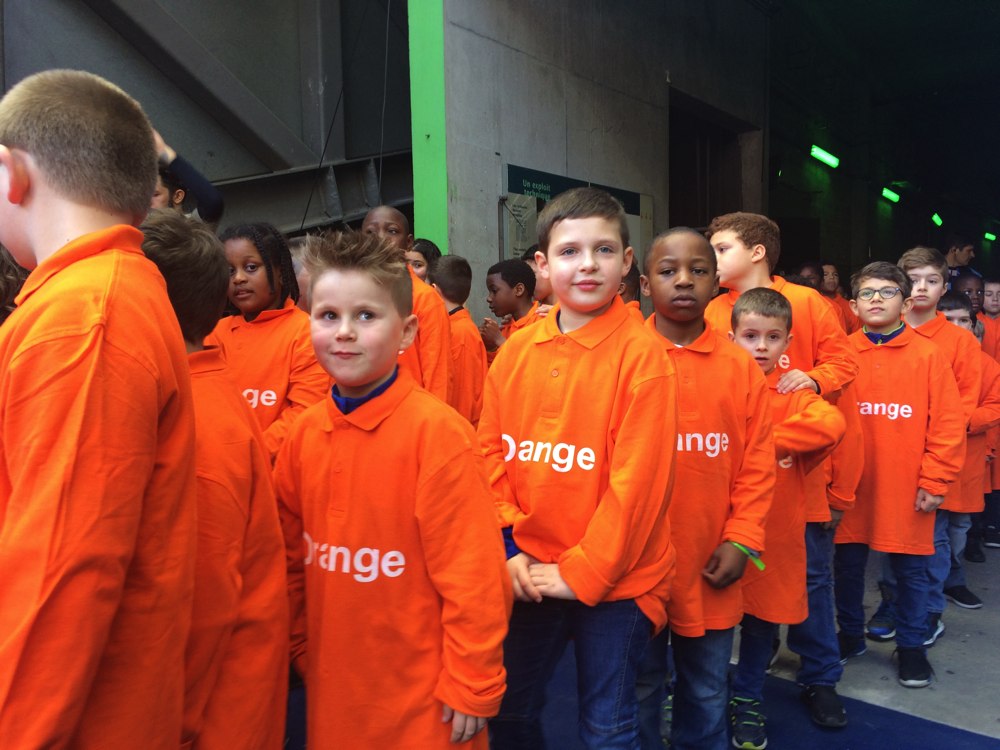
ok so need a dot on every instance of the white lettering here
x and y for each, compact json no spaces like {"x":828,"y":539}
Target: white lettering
{"x":562,"y":457}
{"x":510,"y":446}
{"x":264,"y":398}
{"x":787,"y":462}
{"x":711,"y":444}
{"x":364,"y":566}
{"x":784,"y":362}
{"x":879,"y":409}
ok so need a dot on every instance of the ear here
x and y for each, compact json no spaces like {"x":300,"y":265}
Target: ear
{"x":542,"y":261}
{"x":519,"y":289}
{"x":409,"y":333}
{"x":16,"y":179}
{"x":621,"y":288}
{"x":757,"y":253}
{"x":854,"y":306}
{"x":629,"y":257}
{"x":732,"y":337}
{"x":177,"y":198}
{"x":907,"y":306}
{"x":643,"y":286}
{"x":409,"y":242}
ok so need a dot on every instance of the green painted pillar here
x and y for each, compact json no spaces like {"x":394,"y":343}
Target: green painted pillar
{"x":427,"y":118}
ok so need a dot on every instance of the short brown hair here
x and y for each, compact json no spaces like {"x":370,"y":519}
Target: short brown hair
{"x":452,"y":274}
{"x":191,"y":260}
{"x":920,"y":256}
{"x":92,"y":141}
{"x":883,"y":271}
{"x":364,"y":252}
{"x":580,"y":203}
{"x":752,"y":229}
{"x":764,"y":302}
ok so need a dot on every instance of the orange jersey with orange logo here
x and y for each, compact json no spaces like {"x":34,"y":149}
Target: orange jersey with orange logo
{"x":724,"y":473}
{"x":272,"y":363}
{"x":962,"y":350}
{"x":914,"y":433}
{"x":468,"y":366}
{"x":97,"y":503}
{"x":399,"y":591}
{"x":236,"y":661}
{"x":579,"y":430}
{"x":428,"y":359}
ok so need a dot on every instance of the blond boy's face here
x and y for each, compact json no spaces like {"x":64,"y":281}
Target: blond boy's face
{"x":878,"y":314}
{"x":735,"y":259}
{"x":764,"y":337}
{"x":585,"y":262}
{"x":961,"y":318}
{"x":991,"y":299}
{"x":357,"y":331}
{"x":928,"y":287}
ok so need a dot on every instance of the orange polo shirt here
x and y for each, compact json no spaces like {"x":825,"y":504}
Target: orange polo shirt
{"x":399,"y":590}
{"x":512,"y":326}
{"x":914,"y":432}
{"x":97,"y":503}
{"x":237,"y":651}
{"x":579,"y":431}
{"x":635,"y":310}
{"x":724,"y":473}
{"x":806,"y":429}
{"x":851,"y":321}
{"x":844,"y":466}
{"x":819,"y":345}
{"x":468,"y":366}
{"x":991,"y":334}
{"x":962,"y":350}
{"x":428,"y":358}
{"x":272,"y":362}
{"x":969,"y":498}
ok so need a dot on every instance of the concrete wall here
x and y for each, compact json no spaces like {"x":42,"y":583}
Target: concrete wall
{"x":581,"y":88}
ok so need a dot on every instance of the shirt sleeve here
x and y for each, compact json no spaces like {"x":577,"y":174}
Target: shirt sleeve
{"x":491,"y":443}
{"x":847,"y":461}
{"x":835,"y":364}
{"x":286,"y":490}
{"x":968,"y":367}
{"x":434,"y":347}
{"x":207,"y":197}
{"x":987,"y":413}
{"x":944,"y":444}
{"x":810,"y":433}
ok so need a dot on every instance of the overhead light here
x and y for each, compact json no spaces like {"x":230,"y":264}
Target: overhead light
{"x":890,"y":195}
{"x":937,"y":219}
{"x":824,"y":156}
{"x":990,"y":236}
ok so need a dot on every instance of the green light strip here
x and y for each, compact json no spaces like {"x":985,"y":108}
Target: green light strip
{"x":824,"y":156}
{"x":990,"y":236}
{"x":890,"y":195}
{"x":427,"y":119}
{"x":937,"y":219}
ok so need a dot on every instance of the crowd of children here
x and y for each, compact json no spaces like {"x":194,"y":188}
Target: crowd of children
{"x":230,"y":467}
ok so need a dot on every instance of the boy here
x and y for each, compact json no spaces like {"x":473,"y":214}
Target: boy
{"x":427,"y":360}
{"x":908,"y":400}
{"x":806,"y":429}
{"x":629,"y":292}
{"x":510,"y":286}
{"x":723,"y":484}
{"x":543,"y":289}
{"x":578,"y":428}
{"x":237,"y":651}
{"x":97,"y":493}
{"x":403,"y":540}
{"x":451,"y":276}
{"x":818,"y":358}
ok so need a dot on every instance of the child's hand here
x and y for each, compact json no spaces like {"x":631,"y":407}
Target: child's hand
{"x":835,"y":516}
{"x":490,"y":331}
{"x":543,"y":310}
{"x":549,"y":581}
{"x":524,"y":589}
{"x":796,"y":380}
{"x":725,"y":566}
{"x":926,"y":502}
{"x":463,"y":726}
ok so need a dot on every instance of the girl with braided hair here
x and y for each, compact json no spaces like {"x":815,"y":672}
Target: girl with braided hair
{"x":265,"y":340}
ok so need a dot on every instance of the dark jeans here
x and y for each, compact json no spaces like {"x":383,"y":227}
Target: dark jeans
{"x":756,"y":646}
{"x":609,"y":641}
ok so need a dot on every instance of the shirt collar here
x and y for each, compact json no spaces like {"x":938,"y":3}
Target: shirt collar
{"x":705,"y":342}
{"x":593,"y":333}
{"x":347,"y":404}
{"x":863,"y":343}
{"x":932,"y":326}
{"x":372,"y":413}
{"x":208,"y":359}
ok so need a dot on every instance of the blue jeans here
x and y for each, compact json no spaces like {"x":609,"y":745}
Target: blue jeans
{"x":609,"y":641}
{"x":910,"y":572}
{"x":756,"y":646}
{"x":815,"y":640}
{"x":701,"y":692}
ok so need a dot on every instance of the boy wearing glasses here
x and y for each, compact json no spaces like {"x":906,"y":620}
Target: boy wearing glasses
{"x":909,"y":400}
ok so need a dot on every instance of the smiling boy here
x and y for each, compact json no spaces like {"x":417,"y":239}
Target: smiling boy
{"x":588,"y":543}
{"x":405,"y":552}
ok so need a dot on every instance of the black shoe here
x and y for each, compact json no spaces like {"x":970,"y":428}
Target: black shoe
{"x":850,"y":645}
{"x":825,"y":707}
{"x":973,"y":552}
{"x":991,"y":537}
{"x":914,"y":669}
{"x":961,"y":596}
{"x":935,"y":628}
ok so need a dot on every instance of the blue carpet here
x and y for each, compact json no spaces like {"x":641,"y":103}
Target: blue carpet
{"x":789,"y":728}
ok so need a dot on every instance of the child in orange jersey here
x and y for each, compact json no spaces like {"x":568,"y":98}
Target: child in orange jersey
{"x":97,"y":491}
{"x":510,"y":286}
{"x":398,"y":591}
{"x":421,"y":256}
{"x":578,"y":427}
{"x":451,"y":276}
{"x":818,"y":358}
{"x":236,"y":662}
{"x":909,"y":400}
{"x":806,"y":428}
{"x":722,"y":491}
{"x":830,"y":288}
{"x":428,"y":360}
{"x":629,"y":292}
{"x":266,"y":343}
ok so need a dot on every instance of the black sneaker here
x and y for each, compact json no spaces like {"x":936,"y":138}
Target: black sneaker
{"x":991,"y":537}
{"x":973,"y":552}
{"x":825,"y":706}
{"x":914,"y":669}
{"x":935,"y":628}
{"x":748,"y":724}
{"x":850,"y":646}
{"x":962,"y":597}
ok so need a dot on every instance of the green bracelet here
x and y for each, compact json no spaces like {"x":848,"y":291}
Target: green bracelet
{"x":754,"y":558}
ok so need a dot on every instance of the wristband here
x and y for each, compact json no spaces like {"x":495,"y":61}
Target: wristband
{"x":754,"y":556}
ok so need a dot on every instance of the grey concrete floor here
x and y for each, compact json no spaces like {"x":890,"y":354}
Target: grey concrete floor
{"x":965,"y":692}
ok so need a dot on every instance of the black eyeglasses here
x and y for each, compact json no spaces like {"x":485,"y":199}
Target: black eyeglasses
{"x":886,"y":292}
